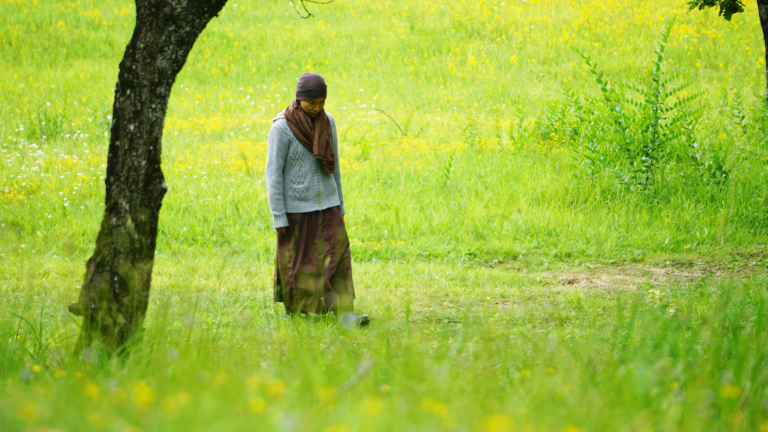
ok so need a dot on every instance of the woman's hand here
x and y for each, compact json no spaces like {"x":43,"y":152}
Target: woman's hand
{"x":282,"y":230}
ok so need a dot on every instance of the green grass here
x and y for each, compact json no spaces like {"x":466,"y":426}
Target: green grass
{"x":509,"y":289}
{"x":452,"y":347}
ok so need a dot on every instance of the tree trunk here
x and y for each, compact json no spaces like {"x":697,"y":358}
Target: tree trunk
{"x":115,"y":291}
{"x":762,"y":8}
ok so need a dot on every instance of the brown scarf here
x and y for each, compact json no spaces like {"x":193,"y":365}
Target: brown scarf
{"x":313,"y":134}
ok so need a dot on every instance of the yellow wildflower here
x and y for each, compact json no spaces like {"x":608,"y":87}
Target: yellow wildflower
{"x":497,"y":423}
{"x":373,"y":406}
{"x":276,"y":388}
{"x":91,"y":390}
{"x":143,"y":395}
{"x":257,"y":405}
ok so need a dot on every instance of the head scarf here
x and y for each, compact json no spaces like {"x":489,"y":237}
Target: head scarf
{"x":313,"y":133}
{"x":311,"y":86}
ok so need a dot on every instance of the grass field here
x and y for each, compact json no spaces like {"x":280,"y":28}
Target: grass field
{"x":512,"y":284}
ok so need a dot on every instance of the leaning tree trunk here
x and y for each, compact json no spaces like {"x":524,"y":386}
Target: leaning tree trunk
{"x":762,"y":8}
{"x":114,"y":295}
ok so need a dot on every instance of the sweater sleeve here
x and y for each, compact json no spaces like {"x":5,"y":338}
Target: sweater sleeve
{"x":337,"y":170}
{"x":277,"y":153}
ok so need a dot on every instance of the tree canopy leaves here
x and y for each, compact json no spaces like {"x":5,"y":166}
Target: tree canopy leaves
{"x":727,"y":7}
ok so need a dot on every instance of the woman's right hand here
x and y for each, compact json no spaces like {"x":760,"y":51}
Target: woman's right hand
{"x":282,"y":230}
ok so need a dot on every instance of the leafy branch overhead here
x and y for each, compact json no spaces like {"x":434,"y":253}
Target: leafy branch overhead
{"x":727,"y":7}
{"x":306,"y":13}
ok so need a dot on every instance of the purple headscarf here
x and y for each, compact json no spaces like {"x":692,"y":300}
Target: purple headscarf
{"x":311,"y":86}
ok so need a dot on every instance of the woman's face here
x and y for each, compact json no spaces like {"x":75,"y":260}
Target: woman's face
{"x":312,"y":107}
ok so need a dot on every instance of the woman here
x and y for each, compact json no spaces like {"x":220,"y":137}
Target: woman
{"x":313,"y":269}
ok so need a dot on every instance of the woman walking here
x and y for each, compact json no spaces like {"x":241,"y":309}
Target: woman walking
{"x":313,"y":269}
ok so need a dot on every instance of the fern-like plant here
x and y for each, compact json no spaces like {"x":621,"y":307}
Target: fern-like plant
{"x":632,"y":129}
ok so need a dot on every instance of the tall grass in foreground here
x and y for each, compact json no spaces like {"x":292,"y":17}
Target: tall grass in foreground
{"x":477,"y":350}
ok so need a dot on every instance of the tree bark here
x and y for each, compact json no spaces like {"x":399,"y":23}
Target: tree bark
{"x":115,"y":291}
{"x":762,"y":8}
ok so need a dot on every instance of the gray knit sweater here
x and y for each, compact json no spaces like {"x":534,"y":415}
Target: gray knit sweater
{"x":296,"y":183}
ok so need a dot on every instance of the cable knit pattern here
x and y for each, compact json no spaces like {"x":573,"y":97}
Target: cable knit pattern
{"x":296,"y":183}
{"x":297,"y":167}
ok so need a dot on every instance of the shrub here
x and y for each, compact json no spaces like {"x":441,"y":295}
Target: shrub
{"x":634,"y":131}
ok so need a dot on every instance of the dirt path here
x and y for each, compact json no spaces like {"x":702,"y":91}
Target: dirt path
{"x":630,"y":277}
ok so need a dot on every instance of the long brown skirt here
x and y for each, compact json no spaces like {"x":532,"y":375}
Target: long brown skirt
{"x":313,"y":268}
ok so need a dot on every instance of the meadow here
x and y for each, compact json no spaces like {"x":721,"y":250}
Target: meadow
{"x":521,"y":273}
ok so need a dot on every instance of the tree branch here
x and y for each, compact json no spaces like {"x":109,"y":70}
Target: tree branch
{"x":395,"y":122}
{"x":304,"y":6}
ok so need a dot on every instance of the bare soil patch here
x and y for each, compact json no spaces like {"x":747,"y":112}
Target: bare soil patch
{"x":630,"y":277}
